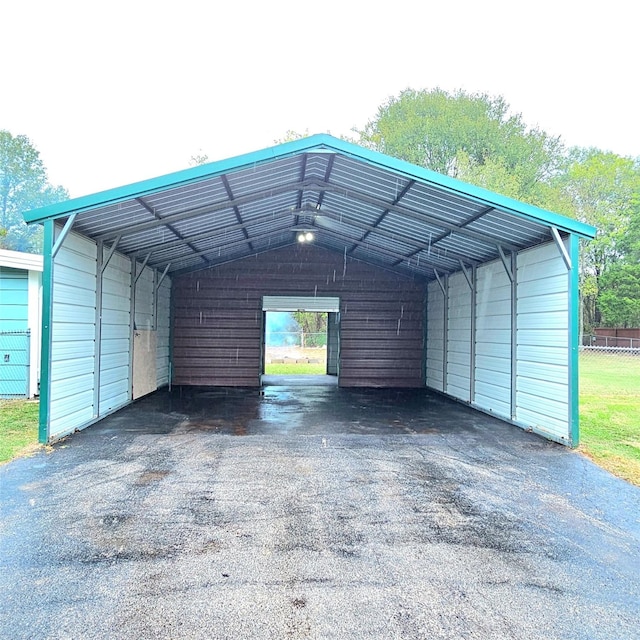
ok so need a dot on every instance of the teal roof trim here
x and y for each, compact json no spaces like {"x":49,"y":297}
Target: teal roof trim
{"x":310,"y":144}
{"x":170,"y":180}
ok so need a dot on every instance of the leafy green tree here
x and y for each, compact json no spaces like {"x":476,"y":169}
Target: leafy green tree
{"x":619,"y":300}
{"x":314,"y":325}
{"x":603,"y":190}
{"x":23,"y":186}
{"x":475,"y":137}
{"x":470,"y":136}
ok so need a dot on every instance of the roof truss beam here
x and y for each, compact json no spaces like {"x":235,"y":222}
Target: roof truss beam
{"x":303,"y":171}
{"x":382,"y":216}
{"x":418,"y":216}
{"x":169,"y":226}
{"x":211,"y":233}
{"x":421,"y":246}
{"x":226,"y":245}
{"x":236,"y":210}
{"x":314,"y":185}
{"x":327,"y":177}
{"x":366,"y":245}
{"x":208,"y":209}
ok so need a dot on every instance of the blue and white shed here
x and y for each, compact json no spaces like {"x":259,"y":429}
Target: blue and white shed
{"x":492,"y":283}
{"x":20,"y":319}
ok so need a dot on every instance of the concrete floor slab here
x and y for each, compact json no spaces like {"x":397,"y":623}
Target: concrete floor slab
{"x":337,"y":514}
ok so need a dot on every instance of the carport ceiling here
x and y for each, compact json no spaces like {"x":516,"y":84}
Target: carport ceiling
{"x":358,"y":202}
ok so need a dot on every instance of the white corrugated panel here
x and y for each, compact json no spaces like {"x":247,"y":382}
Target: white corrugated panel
{"x":163,"y":331}
{"x":435,"y":337}
{"x":542,"y":387}
{"x":114,"y":353}
{"x":301,"y":303}
{"x":493,"y":340}
{"x":145,"y":300}
{"x":73,"y":335}
{"x":459,"y":338}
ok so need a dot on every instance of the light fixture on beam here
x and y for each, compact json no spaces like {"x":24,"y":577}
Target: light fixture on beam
{"x":305,"y":236}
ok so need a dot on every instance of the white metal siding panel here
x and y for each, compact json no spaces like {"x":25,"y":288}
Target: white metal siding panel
{"x":542,"y":387}
{"x":493,"y":340}
{"x":144,"y":300}
{"x":459,"y":338}
{"x":73,"y":335}
{"x":163,"y":330}
{"x":435,"y":337}
{"x":114,"y":343}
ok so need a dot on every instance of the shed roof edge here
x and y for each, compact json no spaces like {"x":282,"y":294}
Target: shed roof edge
{"x":312,"y":143}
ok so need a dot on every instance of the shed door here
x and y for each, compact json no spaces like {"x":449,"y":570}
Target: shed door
{"x":144,"y":363}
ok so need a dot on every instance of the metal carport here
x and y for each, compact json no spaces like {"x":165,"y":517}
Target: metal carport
{"x":493,"y":282}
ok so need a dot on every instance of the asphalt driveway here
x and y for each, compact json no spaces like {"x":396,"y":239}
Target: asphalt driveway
{"x":314,"y":513}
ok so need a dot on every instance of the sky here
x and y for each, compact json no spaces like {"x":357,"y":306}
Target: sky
{"x":115,"y":92}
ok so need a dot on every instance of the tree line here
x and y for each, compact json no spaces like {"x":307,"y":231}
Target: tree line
{"x":470,"y":136}
{"x":476,"y":138}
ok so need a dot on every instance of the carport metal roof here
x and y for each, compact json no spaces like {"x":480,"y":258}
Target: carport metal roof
{"x":356,"y":201}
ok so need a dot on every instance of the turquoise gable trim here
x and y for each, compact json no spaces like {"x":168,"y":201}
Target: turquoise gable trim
{"x":315,"y":143}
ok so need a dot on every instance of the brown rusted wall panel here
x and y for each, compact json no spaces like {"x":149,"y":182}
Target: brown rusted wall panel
{"x":217,"y":318}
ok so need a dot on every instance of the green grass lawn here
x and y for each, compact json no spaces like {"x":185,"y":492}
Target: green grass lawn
{"x":295,"y":369}
{"x":610,"y":412}
{"x":18,"y":428}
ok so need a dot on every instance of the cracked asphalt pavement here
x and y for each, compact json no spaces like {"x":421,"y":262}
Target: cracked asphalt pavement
{"x":314,"y":513}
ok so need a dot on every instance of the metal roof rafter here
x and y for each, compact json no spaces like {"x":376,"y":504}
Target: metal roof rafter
{"x":169,"y":226}
{"x":327,"y":177}
{"x":472,"y":219}
{"x":211,"y":233}
{"x":303,"y":170}
{"x":227,"y":245}
{"x":381,"y":217}
{"x":365,"y":245}
{"x":212,"y":208}
{"x":442,"y":236}
{"x":422,"y":246}
{"x":236,"y":210}
{"x":180,"y":272}
{"x":417,"y":215}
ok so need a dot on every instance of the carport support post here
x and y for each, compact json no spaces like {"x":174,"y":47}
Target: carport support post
{"x":47,"y":314}
{"x":514,"y":334}
{"x":132,"y":323}
{"x":472,"y":346}
{"x":445,"y":331}
{"x":98,"y":339}
{"x":574,"y":340}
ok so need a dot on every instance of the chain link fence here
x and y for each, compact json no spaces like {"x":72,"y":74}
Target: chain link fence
{"x":611,"y":344}
{"x":296,"y":339}
{"x":14,"y":363}
{"x":609,"y":357}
